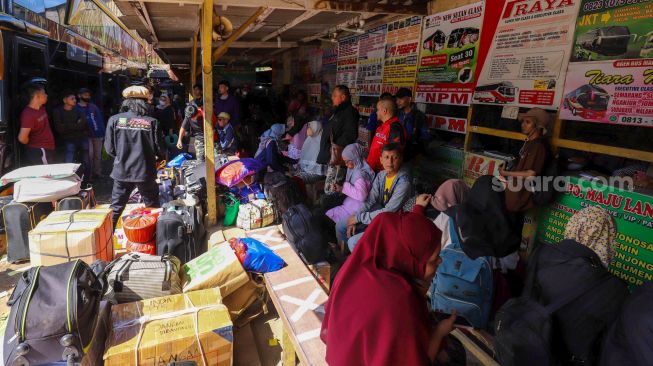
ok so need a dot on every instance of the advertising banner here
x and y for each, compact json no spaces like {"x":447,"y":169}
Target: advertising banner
{"x":448,"y":55}
{"x":371,"y":51}
{"x":401,"y":53}
{"x":529,"y":54}
{"x":633,"y":215}
{"x":347,"y":61}
{"x":477,"y":165}
{"x":451,"y":124}
{"x":615,"y":92}
{"x":610,"y":77}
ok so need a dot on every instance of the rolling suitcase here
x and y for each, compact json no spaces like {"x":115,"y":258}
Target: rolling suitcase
{"x":83,"y":200}
{"x":53,"y":314}
{"x":19,"y":219}
{"x":180,"y":231}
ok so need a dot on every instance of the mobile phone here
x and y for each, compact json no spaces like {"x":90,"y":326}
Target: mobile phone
{"x":460,"y":321}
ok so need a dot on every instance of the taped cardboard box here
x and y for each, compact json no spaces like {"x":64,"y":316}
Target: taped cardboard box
{"x":218,"y":267}
{"x":164,"y":329}
{"x":243,"y":298}
{"x":64,"y":236}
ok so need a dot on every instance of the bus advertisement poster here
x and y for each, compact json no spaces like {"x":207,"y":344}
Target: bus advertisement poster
{"x":610,"y":30}
{"x":401,"y":53}
{"x":444,"y":123}
{"x":529,"y":54}
{"x":371,"y":51}
{"x":615,"y":92}
{"x":633,"y":216}
{"x":347,"y":61}
{"x":449,"y":50}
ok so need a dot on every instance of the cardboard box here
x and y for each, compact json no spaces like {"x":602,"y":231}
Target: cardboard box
{"x":64,"y":236}
{"x":218,"y":267}
{"x":164,"y":329}
{"x":241,"y":299}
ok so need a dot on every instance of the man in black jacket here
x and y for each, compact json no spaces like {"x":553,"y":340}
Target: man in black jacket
{"x":341,"y":130}
{"x":414,"y":120}
{"x":136,"y":142}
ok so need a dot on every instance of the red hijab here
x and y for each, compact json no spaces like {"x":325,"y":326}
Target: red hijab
{"x":374,"y":315}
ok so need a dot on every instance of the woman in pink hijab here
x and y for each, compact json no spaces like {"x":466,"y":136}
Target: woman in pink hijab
{"x":450,"y":193}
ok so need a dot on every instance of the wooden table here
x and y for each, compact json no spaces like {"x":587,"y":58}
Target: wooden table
{"x":299,"y":300}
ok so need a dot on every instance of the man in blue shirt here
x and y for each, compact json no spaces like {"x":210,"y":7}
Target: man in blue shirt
{"x":97,"y":129}
{"x":414,"y":121}
{"x":227,"y":135}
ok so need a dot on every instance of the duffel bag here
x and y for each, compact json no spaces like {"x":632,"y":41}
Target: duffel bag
{"x":281,"y":191}
{"x":255,"y":215}
{"x":84,"y":200}
{"x":137,"y":276}
{"x":303,"y":232}
{"x":53,"y":314}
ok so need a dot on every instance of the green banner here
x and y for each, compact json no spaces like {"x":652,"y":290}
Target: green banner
{"x":633,"y":214}
{"x":613,"y":30}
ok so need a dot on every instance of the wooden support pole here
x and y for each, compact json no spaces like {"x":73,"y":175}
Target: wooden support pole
{"x":193,"y":67}
{"x":206,"y":33}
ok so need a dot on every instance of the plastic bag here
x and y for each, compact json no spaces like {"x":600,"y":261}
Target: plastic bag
{"x":255,"y":256}
{"x":178,"y":160}
{"x":145,"y":248}
{"x":236,"y":171}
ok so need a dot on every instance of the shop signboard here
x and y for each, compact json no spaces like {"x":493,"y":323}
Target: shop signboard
{"x":347,"y":61}
{"x":449,"y":55}
{"x":632,"y":213}
{"x":529,"y":54}
{"x":371,"y":51}
{"x":444,"y":123}
{"x":477,"y":165}
{"x":610,"y":77}
{"x":615,"y":92}
{"x":401,"y":53}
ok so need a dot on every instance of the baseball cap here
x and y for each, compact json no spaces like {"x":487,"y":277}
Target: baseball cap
{"x":224,"y":115}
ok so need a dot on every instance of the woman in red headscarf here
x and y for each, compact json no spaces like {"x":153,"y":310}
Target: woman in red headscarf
{"x":377,"y":311}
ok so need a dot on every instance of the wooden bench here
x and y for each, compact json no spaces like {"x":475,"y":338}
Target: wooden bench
{"x":299,"y":299}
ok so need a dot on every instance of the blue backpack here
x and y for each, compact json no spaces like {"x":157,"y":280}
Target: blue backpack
{"x":463,"y":284}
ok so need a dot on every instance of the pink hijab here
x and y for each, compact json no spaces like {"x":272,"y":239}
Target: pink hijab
{"x":450,"y":193}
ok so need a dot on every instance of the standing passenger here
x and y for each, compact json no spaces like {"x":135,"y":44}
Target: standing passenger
{"x":97,"y":127}
{"x":70,"y":123}
{"x":35,"y":130}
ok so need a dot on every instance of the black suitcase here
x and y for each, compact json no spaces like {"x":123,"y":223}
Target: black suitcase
{"x":83,"y":200}
{"x":19,"y":219}
{"x":4,"y":201}
{"x":53,"y":315}
{"x":303,"y":231}
{"x":180,"y":232}
{"x":282,"y":191}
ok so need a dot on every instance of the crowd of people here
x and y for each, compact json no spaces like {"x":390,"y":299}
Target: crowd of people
{"x":377,"y":311}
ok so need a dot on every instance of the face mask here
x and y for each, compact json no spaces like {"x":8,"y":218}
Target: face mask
{"x":162,"y":103}
{"x":87,"y":100}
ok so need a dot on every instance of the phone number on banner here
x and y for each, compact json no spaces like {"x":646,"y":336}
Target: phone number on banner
{"x":632,"y":120}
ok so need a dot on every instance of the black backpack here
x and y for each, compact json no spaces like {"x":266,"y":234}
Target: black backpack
{"x":281,"y":191}
{"x":53,"y":314}
{"x":303,"y":232}
{"x":543,"y":327}
{"x":546,"y":192}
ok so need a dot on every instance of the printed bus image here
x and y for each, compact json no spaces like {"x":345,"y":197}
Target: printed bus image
{"x":435,"y":42}
{"x":598,"y":43}
{"x":460,"y":37}
{"x":588,"y":102}
{"x":503,"y":92}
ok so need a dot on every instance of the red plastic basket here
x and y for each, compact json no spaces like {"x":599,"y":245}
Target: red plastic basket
{"x":140,"y":228}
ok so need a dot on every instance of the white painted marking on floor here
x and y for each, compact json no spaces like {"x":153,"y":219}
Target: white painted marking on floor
{"x":292,"y":283}
{"x":268,"y":236}
{"x":280,"y":246}
{"x":306,"y":336}
{"x":304,"y":305}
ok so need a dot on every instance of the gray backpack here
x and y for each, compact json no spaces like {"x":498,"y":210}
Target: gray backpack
{"x":137,"y":276}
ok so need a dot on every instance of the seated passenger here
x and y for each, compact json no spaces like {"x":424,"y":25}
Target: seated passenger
{"x":531,"y":161}
{"x":268,"y":149}
{"x":578,"y":266}
{"x":390,"y":190}
{"x":357,"y":183}
{"x":308,"y":168}
{"x":377,"y":313}
{"x":450,"y":193}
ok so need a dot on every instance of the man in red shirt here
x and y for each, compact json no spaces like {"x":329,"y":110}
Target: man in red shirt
{"x":390,"y":131}
{"x":35,"y":130}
